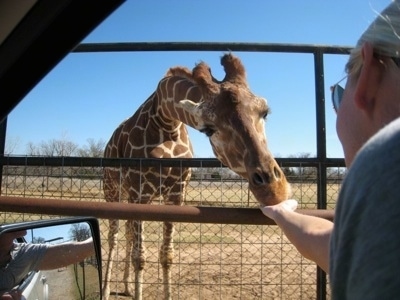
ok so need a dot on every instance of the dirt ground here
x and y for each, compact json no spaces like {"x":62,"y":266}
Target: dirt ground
{"x":212,"y":261}
{"x":65,"y":283}
{"x":216,"y":261}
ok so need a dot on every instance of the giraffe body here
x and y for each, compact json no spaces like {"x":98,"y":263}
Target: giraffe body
{"x":233,"y":119}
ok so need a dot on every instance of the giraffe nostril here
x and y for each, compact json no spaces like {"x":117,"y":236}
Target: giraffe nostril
{"x":259,"y":179}
{"x":277,"y":173}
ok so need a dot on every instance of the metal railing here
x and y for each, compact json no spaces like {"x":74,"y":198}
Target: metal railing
{"x":320,"y":162}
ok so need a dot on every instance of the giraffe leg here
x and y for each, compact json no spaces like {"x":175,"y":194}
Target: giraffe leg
{"x":138,"y":257}
{"x":128,"y":258}
{"x":173,"y":196}
{"x":112,"y":244}
{"x":166,"y":258}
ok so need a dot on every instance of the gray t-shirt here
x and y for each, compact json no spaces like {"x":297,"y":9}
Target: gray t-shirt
{"x":25,"y":258}
{"x":365,"y":243}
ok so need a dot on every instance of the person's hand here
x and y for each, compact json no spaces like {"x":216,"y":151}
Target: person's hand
{"x":12,"y":295}
{"x":273,"y":210}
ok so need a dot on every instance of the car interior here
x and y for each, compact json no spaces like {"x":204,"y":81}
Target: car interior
{"x":37,"y":34}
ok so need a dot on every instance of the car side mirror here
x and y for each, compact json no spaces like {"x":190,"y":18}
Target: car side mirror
{"x":61,"y":259}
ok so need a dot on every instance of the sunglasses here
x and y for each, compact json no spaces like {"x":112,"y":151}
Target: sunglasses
{"x":337,"y":94}
{"x":337,"y":90}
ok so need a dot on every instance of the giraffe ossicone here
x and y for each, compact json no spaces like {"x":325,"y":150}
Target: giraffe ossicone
{"x":233,"y":119}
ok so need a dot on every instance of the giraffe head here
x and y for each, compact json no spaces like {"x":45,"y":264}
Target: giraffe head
{"x":233,"y":118}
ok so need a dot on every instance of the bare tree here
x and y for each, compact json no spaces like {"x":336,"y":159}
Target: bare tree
{"x":32,"y":149}
{"x":54,"y":147}
{"x":93,"y":149}
{"x":64,"y":147}
{"x":12,"y":143}
{"x":79,"y":232}
{"x":301,"y":172}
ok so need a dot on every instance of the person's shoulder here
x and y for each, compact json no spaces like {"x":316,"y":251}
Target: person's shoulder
{"x":371,"y":187}
{"x":382,"y":149}
{"x":374,"y":168}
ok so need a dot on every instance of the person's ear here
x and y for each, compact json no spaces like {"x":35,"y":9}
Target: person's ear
{"x":369,"y":79}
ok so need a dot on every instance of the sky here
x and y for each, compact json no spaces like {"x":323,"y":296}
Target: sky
{"x":87,"y":95}
{"x":58,"y":233}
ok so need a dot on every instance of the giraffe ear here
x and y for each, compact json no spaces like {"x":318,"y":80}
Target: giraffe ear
{"x":191,"y":107}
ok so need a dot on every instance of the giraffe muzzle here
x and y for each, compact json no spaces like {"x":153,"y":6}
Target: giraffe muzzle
{"x":269,"y":186}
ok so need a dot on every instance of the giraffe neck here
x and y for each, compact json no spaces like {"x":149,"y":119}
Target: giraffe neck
{"x":170,"y":92}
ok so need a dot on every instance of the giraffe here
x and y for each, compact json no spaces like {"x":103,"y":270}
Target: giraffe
{"x":233,"y":119}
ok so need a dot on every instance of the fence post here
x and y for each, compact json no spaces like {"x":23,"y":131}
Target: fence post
{"x":321,"y":152}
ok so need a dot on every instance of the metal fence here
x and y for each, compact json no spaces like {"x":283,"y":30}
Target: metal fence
{"x":212,"y":261}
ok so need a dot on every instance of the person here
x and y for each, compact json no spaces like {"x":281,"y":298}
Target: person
{"x":360,"y":250}
{"x":18,"y":259}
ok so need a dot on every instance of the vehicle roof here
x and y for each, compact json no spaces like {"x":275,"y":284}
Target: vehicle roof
{"x":35,"y":35}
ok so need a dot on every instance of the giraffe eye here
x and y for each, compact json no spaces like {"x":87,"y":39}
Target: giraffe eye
{"x":208,"y":131}
{"x":265,"y":114}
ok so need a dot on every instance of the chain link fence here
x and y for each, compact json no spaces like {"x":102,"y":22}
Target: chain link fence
{"x":212,"y":261}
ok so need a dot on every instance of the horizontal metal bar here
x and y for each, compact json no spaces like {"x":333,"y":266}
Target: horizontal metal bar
{"x":209,"y":46}
{"x":145,"y":212}
{"x":107,"y":162}
{"x":151,"y":162}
